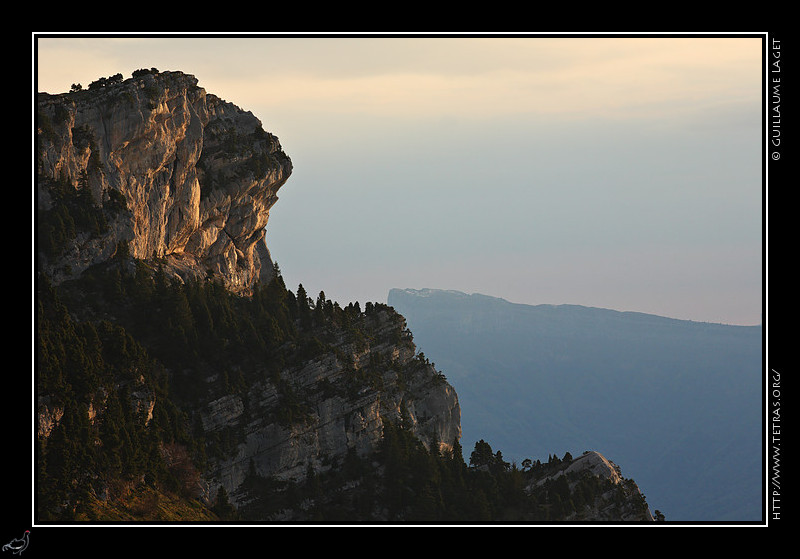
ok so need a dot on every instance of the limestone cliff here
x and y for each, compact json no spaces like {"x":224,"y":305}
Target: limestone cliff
{"x":613,"y":497}
{"x":193,"y":177}
{"x":172,"y":359}
{"x":150,"y":194}
{"x":344,"y":396}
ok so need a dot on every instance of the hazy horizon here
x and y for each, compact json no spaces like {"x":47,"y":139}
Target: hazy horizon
{"x":621,"y":173}
{"x":420,"y":291}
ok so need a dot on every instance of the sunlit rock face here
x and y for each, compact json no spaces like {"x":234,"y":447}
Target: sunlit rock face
{"x":191,"y":178}
{"x":186,"y":181}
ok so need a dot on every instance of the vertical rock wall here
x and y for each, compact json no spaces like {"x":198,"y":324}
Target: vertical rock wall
{"x":197,"y":176}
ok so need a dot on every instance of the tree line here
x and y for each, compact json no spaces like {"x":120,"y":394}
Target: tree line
{"x":102,"y":82}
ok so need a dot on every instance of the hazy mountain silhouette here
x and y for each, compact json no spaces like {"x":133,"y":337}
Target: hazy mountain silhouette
{"x":677,"y":403}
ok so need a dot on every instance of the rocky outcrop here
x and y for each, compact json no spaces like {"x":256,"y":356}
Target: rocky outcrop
{"x":185,"y":181}
{"x":591,"y":462}
{"x":190,"y":178}
{"x":157,"y":175}
{"x":344,"y":397}
{"x":616,"y":498}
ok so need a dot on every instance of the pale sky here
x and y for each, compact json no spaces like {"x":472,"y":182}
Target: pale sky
{"x":623,"y":173}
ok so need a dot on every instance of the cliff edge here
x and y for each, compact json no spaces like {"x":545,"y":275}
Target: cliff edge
{"x":183,"y":176}
{"x":173,"y":364}
{"x":152,"y":200}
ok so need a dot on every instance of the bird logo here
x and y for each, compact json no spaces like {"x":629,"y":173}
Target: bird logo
{"x":18,"y":545}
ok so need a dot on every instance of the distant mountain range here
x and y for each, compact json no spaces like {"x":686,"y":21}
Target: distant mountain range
{"x":678,"y":402}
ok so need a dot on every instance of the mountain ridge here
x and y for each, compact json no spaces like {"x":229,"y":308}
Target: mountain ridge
{"x":674,"y":400}
{"x":175,"y":366}
{"x":430,"y":292}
